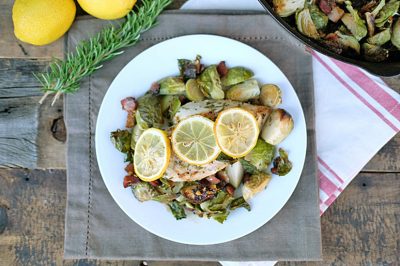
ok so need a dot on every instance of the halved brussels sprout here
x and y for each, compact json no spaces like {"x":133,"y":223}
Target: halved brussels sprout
{"x":149,"y":112}
{"x":172,"y":86}
{"x":378,"y":8}
{"x":388,"y":11}
{"x":374,"y":53}
{"x":282,"y":165}
{"x":193,"y":91}
{"x":354,"y":23}
{"x":236,"y":75}
{"x":319,"y":18}
{"x":380,"y":38}
{"x":261,"y":155}
{"x":395,"y":39}
{"x":210,"y":83}
{"x":255,"y":184}
{"x":285,"y":8}
{"x":348,"y":42}
{"x":143,"y":191}
{"x":245,"y":91}
{"x":271,"y":95}
{"x":235,"y":173}
{"x":277,"y":127}
{"x":305,"y":24}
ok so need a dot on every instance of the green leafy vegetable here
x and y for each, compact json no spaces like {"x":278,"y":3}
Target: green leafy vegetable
{"x":136,"y":132}
{"x":236,"y":75}
{"x":282,"y":165}
{"x":240,"y":203}
{"x":143,"y":191}
{"x":177,"y":210}
{"x":261,"y":155}
{"x":255,"y":184}
{"x":388,"y":11}
{"x":121,"y":140}
{"x":220,"y":217}
{"x":172,"y":86}
{"x":354,"y":23}
{"x":380,"y":38}
{"x":210,"y":83}
{"x":319,"y":18}
{"x":248,"y":167}
{"x":149,"y":114}
{"x":65,"y":76}
{"x":220,"y":203}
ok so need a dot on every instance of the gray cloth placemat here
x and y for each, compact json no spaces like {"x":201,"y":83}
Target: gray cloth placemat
{"x":97,"y":228}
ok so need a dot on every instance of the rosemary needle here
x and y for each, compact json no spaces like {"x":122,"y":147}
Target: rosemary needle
{"x":63,"y":76}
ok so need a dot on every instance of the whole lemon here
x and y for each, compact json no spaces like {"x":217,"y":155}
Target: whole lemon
{"x":107,"y":9}
{"x":41,"y":22}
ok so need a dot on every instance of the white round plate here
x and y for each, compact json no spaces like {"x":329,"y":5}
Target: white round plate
{"x":135,"y":79}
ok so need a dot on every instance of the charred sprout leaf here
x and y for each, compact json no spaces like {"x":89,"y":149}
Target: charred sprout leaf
{"x":354,"y":23}
{"x":378,"y":8}
{"x":210,"y":83}
{"x":143,"y":191}
{"x":172,"y":86}
{"x":374,"y":53}
{"x":244,"y":92}
{"x":219,"y":203}
{"x":369,"y":18}
{"x":305,"y":24}
{"x":240,"y":203}
{"x":223,"y":157}
{"x":278,"y":126}
{"x":136,"y":132}
{"x":248,"y":167}
{"x":121,"y":140}
{"x":261,"y":155}
{"x":187,"y":68}
{"x":174,"y":107}
{"x":177,"y":210}
{"x":220,"y":217}
{"x":166,"y":102}
{"x":255,"y":184}
{"x":149,"y":112}
{"x":380,"y":38}
{"x":319,"y":18}
{"x":285,"y":8}
{"x":235,"y":173}
{"x":165,"y":198}
{"x":388,"y":11}
{"x":395,"y":39}
{"x":282,"y":165}
{"x":270,"y":95}
{"x":236,"y":75}
{"x":348,"y":42}
{"x":193,"y":91}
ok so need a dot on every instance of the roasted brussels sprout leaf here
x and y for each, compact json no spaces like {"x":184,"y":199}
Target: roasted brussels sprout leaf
{"x":174,"y":107}
{"x":236,"y":75}
{"x":165,"y":198}
{"x":172,"y":86}
{"x":378,"y":8}
{"x":177,"y":210}
{"x":136,"y":132}
{"x":255,"y":184}
{"x":240,"y":203}
{"x":245,"y":91}
{"x":223,"y":157}
{"x":143,"y":191}
{"x":219,"y":203}
{"x":386,"y":13}
{"x":380,"y":38}
{"x":187,"y":69}
{"x":354,"y":23}
{"x":149,"y":112}
{"x":319,"y":18}
{"x":369,"y":18}
{"x":270,"y":95}
{"x":121,"y":140}
{"x":282,"y":165}
{"x":374,"y":53}
{"x":305,"y":24}
{"x":248,"y":167}
{"x":348,"y":42}
{"x":261,"y":155}
{"x":220,"y":217}
{"x":285,"y":8}
{"x":395,"y":38}
{"x":278,"y":126}
{"x":210,"y":83}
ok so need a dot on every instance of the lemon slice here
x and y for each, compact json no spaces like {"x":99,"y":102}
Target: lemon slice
{"x":193,"y":140}
{"x":152,"y":154}
{"x":236,"y":131}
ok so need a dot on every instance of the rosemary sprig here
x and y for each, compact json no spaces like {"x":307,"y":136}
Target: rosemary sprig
{"x":63,"y":76}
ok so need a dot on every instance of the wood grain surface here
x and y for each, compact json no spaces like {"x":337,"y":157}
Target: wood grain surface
{"x":361,"y":228}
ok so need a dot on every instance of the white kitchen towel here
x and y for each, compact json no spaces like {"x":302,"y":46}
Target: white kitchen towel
{"x":356,"y":115}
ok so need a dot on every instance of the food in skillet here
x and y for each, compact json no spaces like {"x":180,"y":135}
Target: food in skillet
{"x":204,"y":141}
{"x":366,"y":28}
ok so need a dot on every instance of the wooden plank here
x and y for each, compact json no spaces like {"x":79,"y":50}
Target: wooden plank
{"x":387,"y":159}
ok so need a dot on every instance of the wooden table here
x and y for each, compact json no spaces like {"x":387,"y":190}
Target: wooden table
{"x":361,"y":228}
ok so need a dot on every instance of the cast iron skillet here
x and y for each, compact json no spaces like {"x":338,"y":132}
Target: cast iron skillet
{"x":386,"y":69}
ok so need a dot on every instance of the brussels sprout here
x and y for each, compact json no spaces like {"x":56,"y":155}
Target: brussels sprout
{"x":218,"y":204}
{"x":255,"y":184}
{"x":188,"y":68}
{"x":285,"y":8}
{"x":282,"y":165}
{"x":245,"y":91}
{"x":235,"y":173}
{"x":261,"y":155}
{"x":278,"y":126}
{"x":378,"y":8}
{"x":354,"y":23}
{"x":166,"y":102}
{"x":380,"y":38}
{"x":319,"y":18}
{"x":236,"y":75}
{"x":240,"y":203}
{"x":172,"y":86}
{"x":270,"y":95}
{"x":121,"y":140}
{"x":174,"y":107}
{"x":136,"y":132}
{"x":348,"y":42}
{"x":143,"y":191}
{"x":210,"y":83}
{"x":388,"y":11}
{"x":305,"y":24}
{"x":177,"y":210}
{"x":395,"y":39}
{"x":374,"y":53}
{"x":248,"y":167}
{"x":149,"y":112}
{"x":193,"y":91}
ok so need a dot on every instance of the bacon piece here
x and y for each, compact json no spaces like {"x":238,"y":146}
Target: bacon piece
{"x":130,"y":180}
{"x":336,"y":14}
{"x":222,"y":69}
{"x":326,"y":6}
{"x":129,"y":104}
